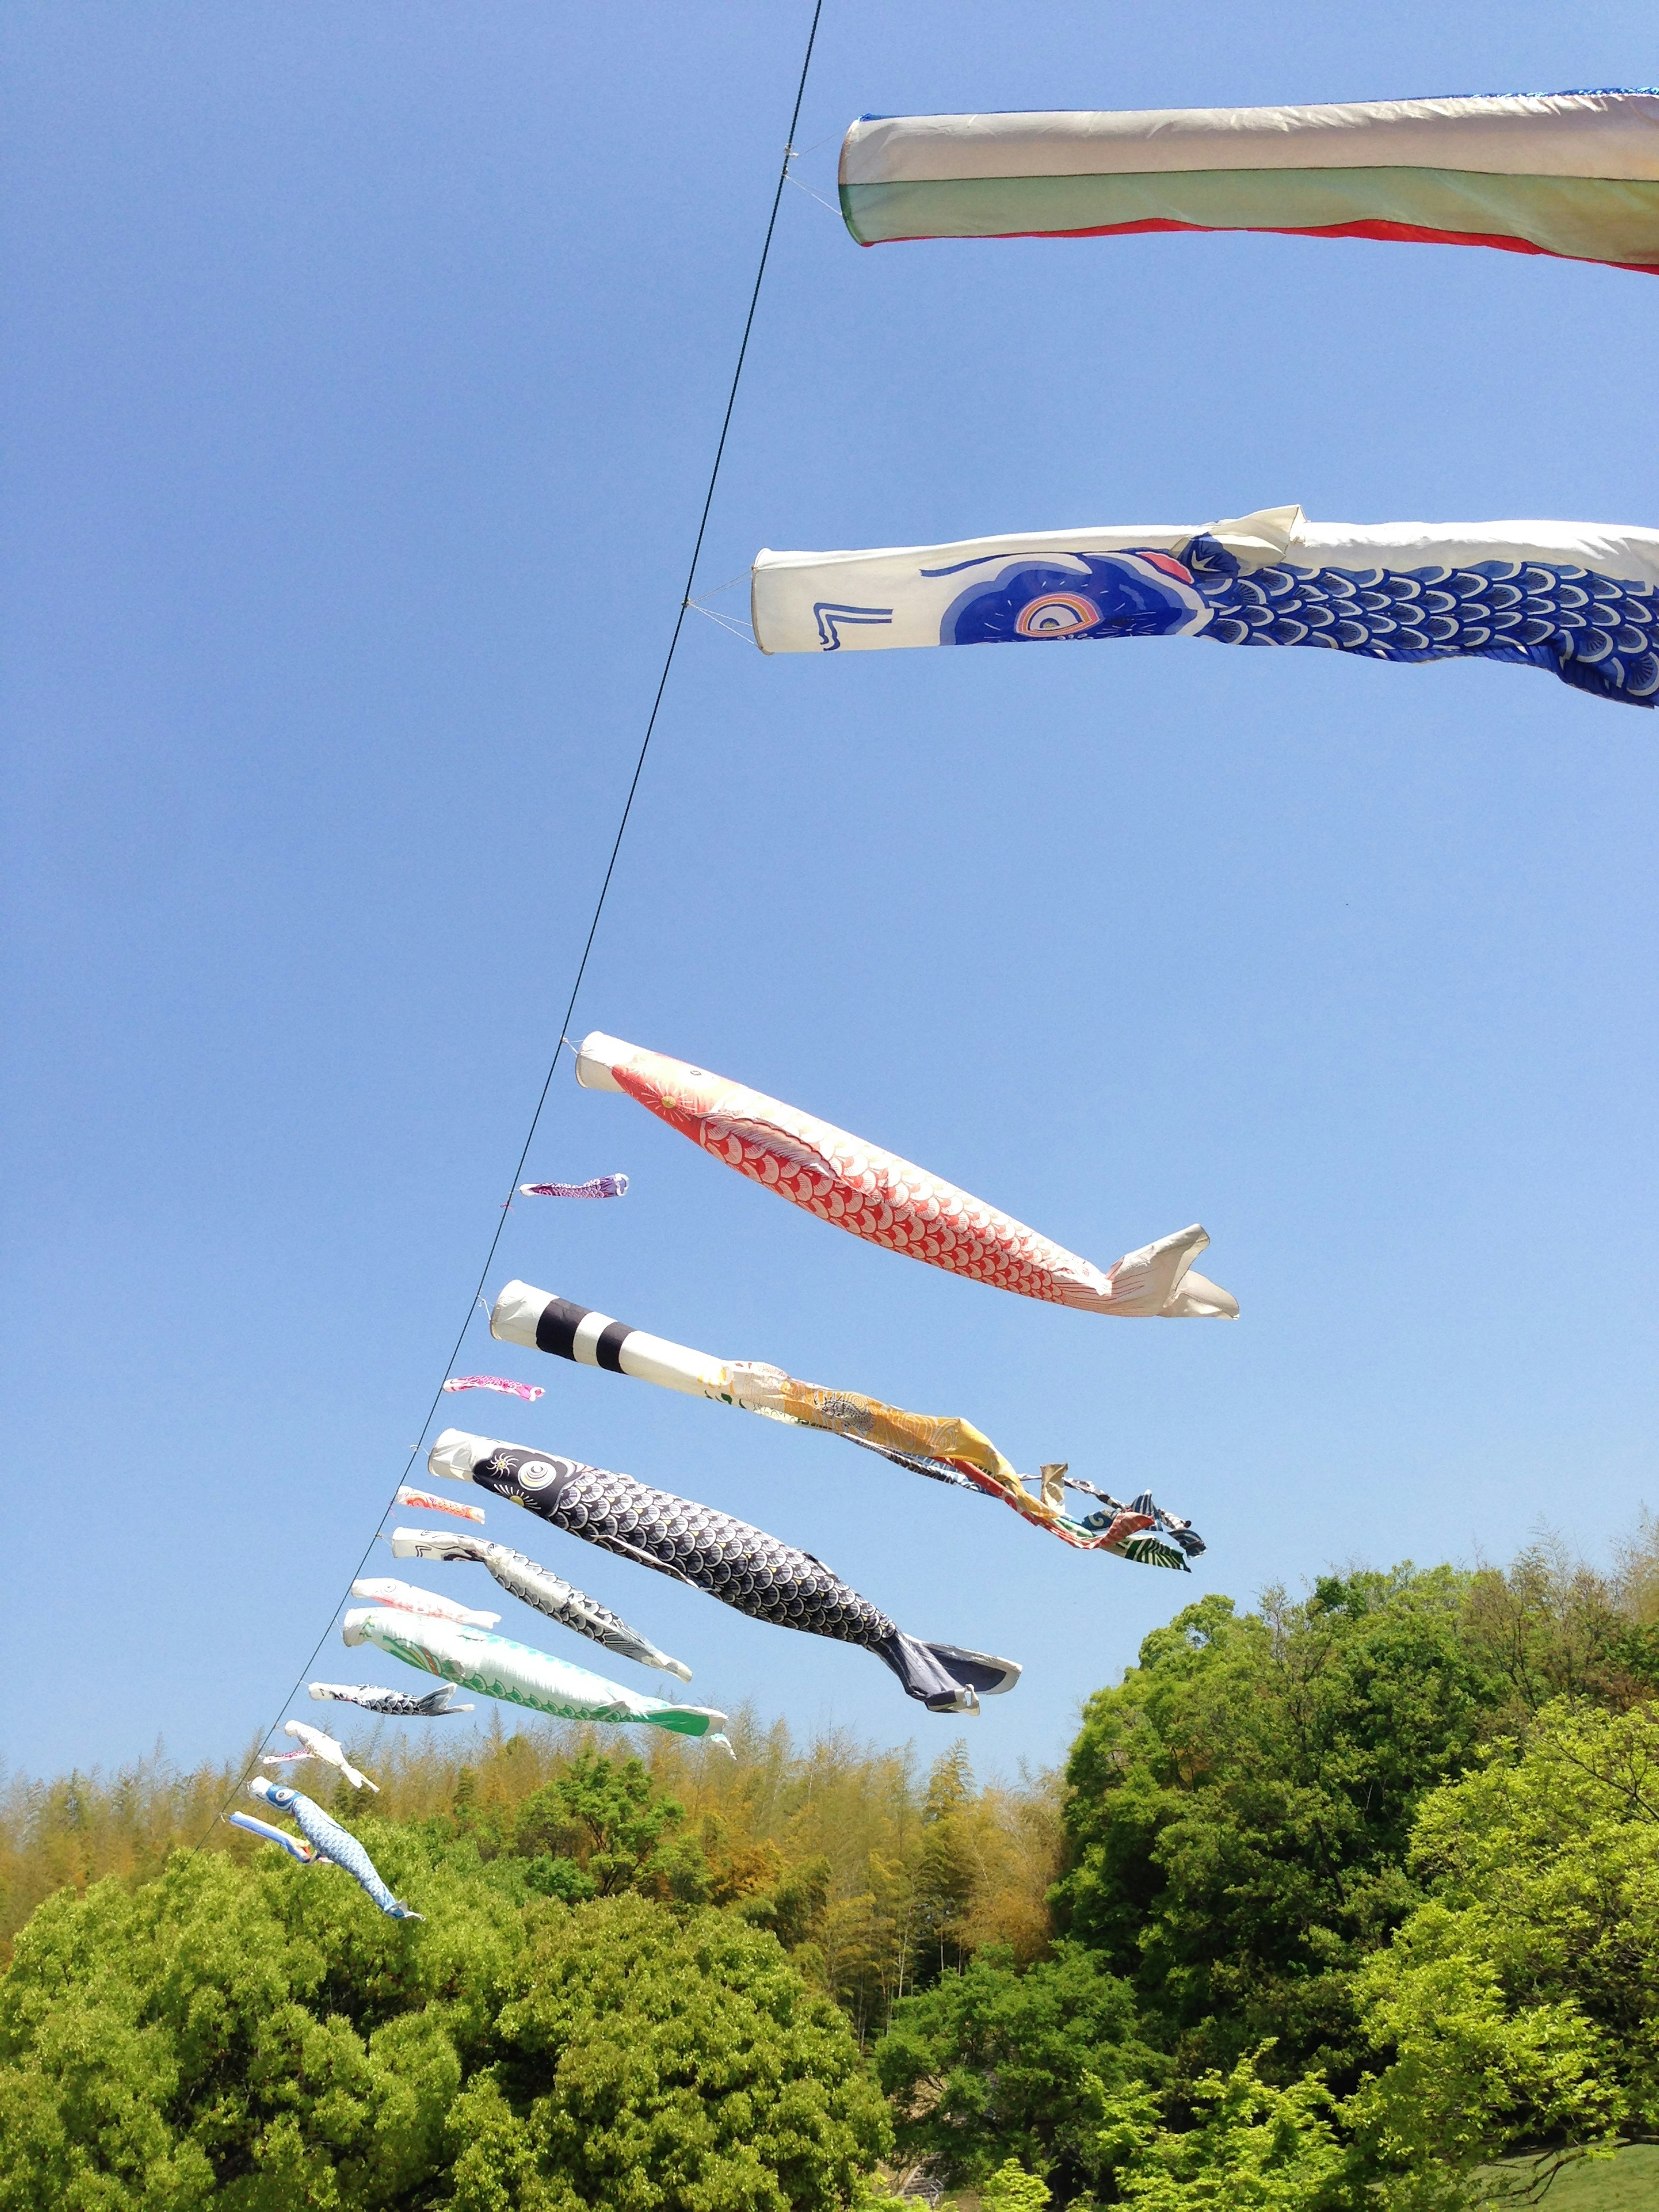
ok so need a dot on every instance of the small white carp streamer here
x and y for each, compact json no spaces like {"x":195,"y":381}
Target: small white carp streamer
{"x":549,"y":1593}
{"x":519,"y":1674}
{"x":314,"y":1744}
{"x":614,"y":1185}
{"x":386,"y":1590}
{"x":428,"y":1501}
{"x":436,"y":1705}
{"x":528,"y":1391}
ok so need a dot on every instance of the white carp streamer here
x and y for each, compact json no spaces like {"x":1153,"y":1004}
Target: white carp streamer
{"x":549,"y":1593}
{"x":386,"y":1590}
{"x":498,"y":1667}
{"x":428,"y":1501}
{"x":314,"y":1744}
{"x":528,"y":1391}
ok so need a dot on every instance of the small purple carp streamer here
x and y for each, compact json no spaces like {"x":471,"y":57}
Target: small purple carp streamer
{"x":614,"y":1185}
{"x":528,"y":1391}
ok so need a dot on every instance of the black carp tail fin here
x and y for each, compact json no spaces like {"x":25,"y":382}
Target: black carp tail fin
{"x":943,"y":1677}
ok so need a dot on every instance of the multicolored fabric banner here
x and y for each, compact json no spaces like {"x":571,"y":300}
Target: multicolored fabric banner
{"x":937,"y":1445}
{"x":1570,"y":173}
{"x":1579,"y":598}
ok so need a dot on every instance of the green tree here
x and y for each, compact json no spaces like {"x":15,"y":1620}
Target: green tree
{"x":1254,"y":2146}
{"x":1239,"y":1807}
{"x":684,"y":2066}
{"x":1519,"y":2005}
{"x":1011,"y":2189}
{"x":992,"y":2061}
{"x":256,"y":2038}
{"x":607,"y":1815}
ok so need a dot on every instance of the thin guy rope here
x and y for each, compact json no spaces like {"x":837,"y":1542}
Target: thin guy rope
{"x":598,"y":908}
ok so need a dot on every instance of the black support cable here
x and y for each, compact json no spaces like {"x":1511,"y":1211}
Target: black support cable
{"x":598,"y":906}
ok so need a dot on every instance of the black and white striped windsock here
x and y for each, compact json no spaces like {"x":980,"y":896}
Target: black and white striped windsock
{"x":523,"y":1578}
{"x":742,"y":1566}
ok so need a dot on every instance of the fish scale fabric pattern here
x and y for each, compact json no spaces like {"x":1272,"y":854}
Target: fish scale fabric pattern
{"x":727,"y":1559}
{"x":1578,"y":600}
{"x":1600,"y":634}
{"x":329,"y":1840}
{"x":890,"y":1202}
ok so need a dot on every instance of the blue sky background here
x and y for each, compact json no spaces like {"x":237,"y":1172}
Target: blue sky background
{"x":363,"y":370}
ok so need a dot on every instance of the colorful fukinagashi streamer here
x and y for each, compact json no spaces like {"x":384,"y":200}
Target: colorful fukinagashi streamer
{"x":315,"y":1744}
{"x":404,"y":1597}
{"x":497,"y":1667}
{"x":1569,"y":173}
{"x":888,"y":1202}
{"x":610,"y":1186}
{"x":1577,"y":599}
{"x":436,"y":1704}
{"x":523,"y":1578}
{"x":426,"y":1501}
{"x":527,"y":1391}
{"x":945,"y":1449}
{"x":727,"y":1559}
{"x":327,"y":1839}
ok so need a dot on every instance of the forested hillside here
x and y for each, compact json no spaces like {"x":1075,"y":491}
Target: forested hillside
{"x":1338,"y":1903}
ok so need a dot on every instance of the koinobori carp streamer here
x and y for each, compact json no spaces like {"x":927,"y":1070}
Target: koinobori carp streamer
{"x":727,"y":1559}
{"x":940,"y":1447}
{"x":1577,"y":599}
{"x":497,"y":1667}
{"x":328,"y":1840}
{"x":608,"y":1185}
{"x":888,"y":1202}
{"x":405,"y":1597}
{"x":507,"y":1389}
{"x":315,"y":1744}
{"x":426,"y":1501}
{"x":436,"y":1704}
{"x":534,"y":1586}
{"x":1569,"y":173}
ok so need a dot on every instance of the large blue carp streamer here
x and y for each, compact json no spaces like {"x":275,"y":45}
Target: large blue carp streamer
{"x":1580,"y":599}
{"x":328,"y":1840}
{"x":436,"y":1704}
{"x":727,"y":1559}
{"x":523,"y":1578}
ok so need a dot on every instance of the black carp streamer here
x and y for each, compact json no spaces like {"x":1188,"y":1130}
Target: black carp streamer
{"x":744,"y":1567}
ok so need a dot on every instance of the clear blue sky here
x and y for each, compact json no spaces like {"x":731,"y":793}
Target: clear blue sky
{"x":363,"y":367}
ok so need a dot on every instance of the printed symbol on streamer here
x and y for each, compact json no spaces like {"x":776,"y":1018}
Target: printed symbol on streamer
{"x":1061,"y":614}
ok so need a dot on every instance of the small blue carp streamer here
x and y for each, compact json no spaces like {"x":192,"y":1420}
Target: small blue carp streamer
{"x":329,"y":1840}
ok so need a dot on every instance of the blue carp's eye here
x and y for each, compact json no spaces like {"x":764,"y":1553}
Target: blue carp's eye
{"x":1057,"y":614}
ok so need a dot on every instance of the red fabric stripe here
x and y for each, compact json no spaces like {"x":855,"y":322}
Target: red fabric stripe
{"x":1407,"y":233}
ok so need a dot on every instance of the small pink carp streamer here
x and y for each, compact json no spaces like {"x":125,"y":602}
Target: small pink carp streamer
{"x":528,"y":1391}
{"x":614,"y":1185}
{"x":428,"y":1501}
